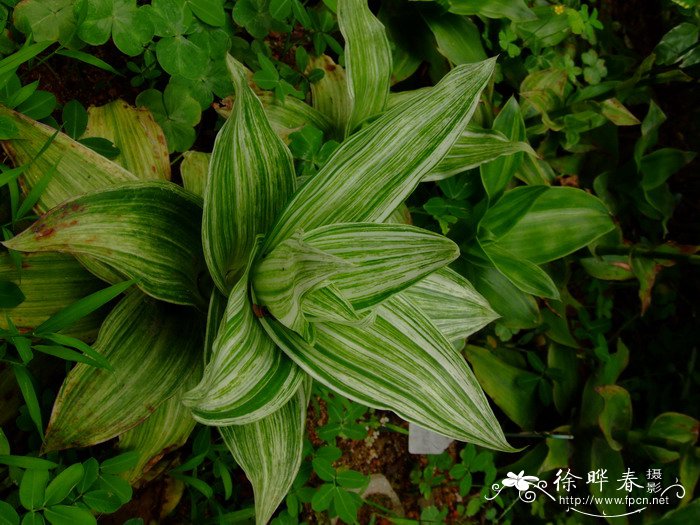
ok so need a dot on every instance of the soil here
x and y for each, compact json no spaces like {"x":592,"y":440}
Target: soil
{"x":70,"y":79}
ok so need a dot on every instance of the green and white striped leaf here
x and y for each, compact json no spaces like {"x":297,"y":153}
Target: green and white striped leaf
{"x":148,"y":231}
{"x":452,"y":303}
{"x":215,"y":314}
{"x":285,"y":116}
{"x":374,"y":171}
{"x":194,"y":171}
{"x":141,"y":142}
{"x":270,"y":451}
{"x":165,"y":430}
{"x":330,"y":95}
{"x":497,"y":174}
{"x":78,"y":169}
{"x":384,"y":258}
{"x":560,"y":221}
{"x":329,"y":304}
{"x":367,"y":61}
{"x":251,"y":176}
{"x":282,"y":278}
{"x":49,"y":282}
{"x":403,"y":363}
{"x":473,"y":148}
{"x":399,"y":97}
{"x":247,"y":377}
{"x":153,"y":348}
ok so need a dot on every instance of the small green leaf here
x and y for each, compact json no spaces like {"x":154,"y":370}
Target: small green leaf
{"x":496,"y":174}
{"x":524,"y":274}
{"x":117,"y":486}
{"x":512,"y":9}
{"x":323,"y":497}
{"x":32,"y":488}
{"x":8,"y":515}
{"x":88,"y":59}
{"x":280,"y":9}
{"x":65,"y":515}
{"x":616,"y":417}
{"x":176,"y":112}
{"x":33,"y":518}
{"x":47,"y":20}
{"x":102,"y":501}
{"x":79,"y":309}
{"x":130,"y":26}
{"x":26,"y":385}
{"x":10,"y":295}
{"x":346,"y":505}
{"x":39,"y":105}
{"x":75,"y":119}
{"x":351,"y":479}
{"x":209,"y":11}
{"x":61,"y":486}
{"x":510,"y":387}
{"x":27,"y":462}
{"x":457,"y":37}
{"x":120,"y":463}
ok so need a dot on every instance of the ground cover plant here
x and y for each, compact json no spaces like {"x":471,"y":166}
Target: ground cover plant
{"x":246,"y":243}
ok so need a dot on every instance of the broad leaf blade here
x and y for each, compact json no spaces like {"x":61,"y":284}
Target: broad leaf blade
{"x":559,"y":222}
{"x":373,"y":171}
{"x":194,"y":171}
{"x":452,"y":303}
{"x":153,"y":348}
{"x":330,"y":95}
{"x":292,"y":269}
{"x":524,"y":274}
{"x":497,"y":174}
{"x":512,"y":389}
{"x":78,"y":168}
{"x":473,"y":148}
{"x":402,"y":363}
{"x":166,"y":429}
{"x":270,"y":451}
{"x":385,"y":258}
{"x":367,"y":61}
{"x":141,"y":142}
{"x":80,"y":308}
{"x":50,"y":282}
{"x":251,"y":176}
{"x":247,"y":376}
{"x":148,"y":231}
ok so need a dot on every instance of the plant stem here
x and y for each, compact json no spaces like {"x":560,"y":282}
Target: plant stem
{"x":649,"y":254}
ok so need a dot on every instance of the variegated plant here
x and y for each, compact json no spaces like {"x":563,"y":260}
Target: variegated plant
{"x":322,"y":280}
